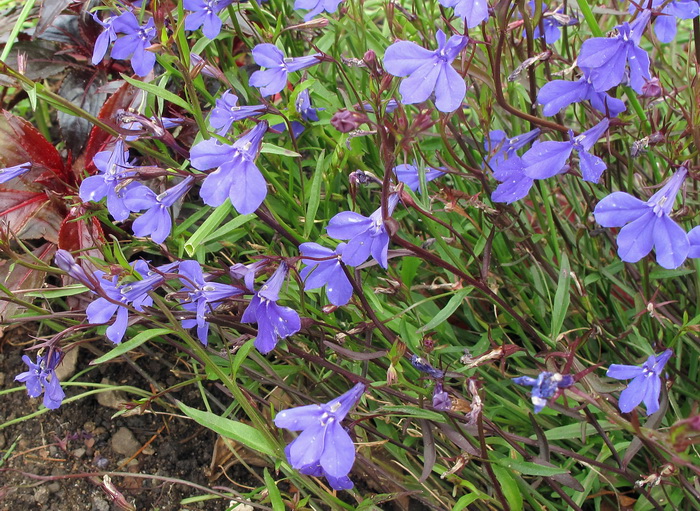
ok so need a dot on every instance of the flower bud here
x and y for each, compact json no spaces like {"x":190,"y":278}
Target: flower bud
{"x":345,"y":120}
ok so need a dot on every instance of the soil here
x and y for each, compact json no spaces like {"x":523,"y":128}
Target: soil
{"x":57,"y":459}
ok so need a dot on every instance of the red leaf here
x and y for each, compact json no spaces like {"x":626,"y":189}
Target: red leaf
{"x":17,"y":277}
{"x":30,"y":215}
{"x":79,"y":233}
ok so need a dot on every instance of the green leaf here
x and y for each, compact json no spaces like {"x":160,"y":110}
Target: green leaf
{"x":529,"y":468}
{"x":273,"y":149}
{"x":273,"y":492}
{"x":509,"y":486}
{"x":314,"y":196}
{"x":448,"y":310}
{"x":131,"y":344}
{"x":159,"y":92}
{"x":70,"y":290}
{"x":417,"y":413}
{"x":241,"y":433}
{"x":561,"y":298}
{"x":207,"y":227}
{"x":464,"y":501}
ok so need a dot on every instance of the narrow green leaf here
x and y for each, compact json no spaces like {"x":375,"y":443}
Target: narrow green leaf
{"x":273,"y":492}
{"x":70,"y":290}
{"x":208,"y":226}
{"x":273,"y":149}
{"x":448,"y":310}
{"x":409,"y":411}
{"x":314,"y":196}
{"x":241,"y":433}
{"x":509,"y":486}
{"x":561,"y":298}
{"x":131,"y":344}
{"x":529,"y":468}
{"x":159,"y":92}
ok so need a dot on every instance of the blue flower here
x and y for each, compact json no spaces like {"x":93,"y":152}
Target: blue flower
{"x":316,"y":7}
{"x":274,"y":321}
{"x":408,"y":175}
{"x":201,"y":294}
{"x":500,"y":148}
{"x":428,"y":71}
{"x":237,"y":177}
{"x":366,"y":235}
{"x":329,"y":272}
{"x":226,"y":112}
{"x":473,"y":11}
{"x":551,"y":21}
{"x":665,"y":25}
{"x":544,"y":387}
{"x":273,"y":79}
{"x":647,"y":224}
{"x":41,"y":378}
{"x":422,"y":365}
{"x":559,"y":94}
{"x":135,"y":43}
{"x":156,"y":221}
{"x":107,"y":37}
{"x":441,"y":399}
{"x":323,"y":448}
{"x":646,"y":383}
{"x":607,"y":58}
{"x":206,"y":15}
{"x":12,"y":172}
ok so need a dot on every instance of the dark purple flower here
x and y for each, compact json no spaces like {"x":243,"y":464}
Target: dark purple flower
{"x":107,"y":37}
{"x":114,"y":169}
{"x":327,"y":273}
{"x":422,"y":365}
{"x":323,"y":448}
{"x":201,"y":295}
{"x":206,"y":15}
{"x":273,"y":79}
{"x":607,"y":58}
{"x":408,"y":175}
{"x":237,"y":177}
{"x":544,"y":387}
{"x":155,"y":222}
{"x":274,"y":321}
{"x":133,"y":45}
{"x":226,"y":112}
{"x":559,"y":94}
{"x":366,"y":235}
{"x":428,"y":71}
{"x":316,"y":7}
{"x":473,"y":11}
{"x":12,"y":172}
{"x":41,"y":377}
{"x":441,"y":399}
{"x":647,"y":224}
{"x":646,"y":383}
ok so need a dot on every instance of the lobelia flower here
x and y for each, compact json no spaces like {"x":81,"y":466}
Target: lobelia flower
{"x":274,"y":321}
{"x":247,"y":273}
{"x":544,"y":387}
{"x":273,"y":79}
{"x":41,"y":378}
{"x":473,"y":11}
{"x":408,"y":175}
{"x":501,"y":148}
{"x":135,"y":43}
{"x":201,"y":294}
{"x":153,"y":126}
{"x":646,"y":225}
{"x":665,"y":25}
{"x":323,"y":448}
{"x":64,"y":260}
{"x":327,"y":273}
{"x":422,"y":365}
{"x":316,"y":7}
{"x":389,"y":107}
{"x":206,"y":15}
{"x":366,"y":235}
{"x":558,"y":94}
{"x":156,"y":221}
{"x":428,"y":71}
{"x":645,"y":385}
{"x":441,"y":399}
{"x":12,"y":172}
{"x":546,"y":159}
{"x":151,"y":279}
{"x":114,"y":170}
{"x":226,"y":112}
{"x":694,"y":241}
{"x":307,"y":112}
{"x":608,"y":58}
{"x":552,"y":22}
{"x":107,"y":37}
{"x":236,"y":176}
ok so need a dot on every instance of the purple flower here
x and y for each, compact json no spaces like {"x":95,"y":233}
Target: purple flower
{"x":559,"y":94}
{"x":303,"y":106}
{"x":500,"y":148}
{"x":65,"y":261}
{"x":441,"y":399}
{"x":323,"y":448}
{"x":114,"y":169}
{"x":274,"y":321}
{"x":201,"y":294}
{"x":646,"y":383}
{"x":151,"y":279}
{"x":390,"y":106}
{"x":647,"y":224}
{"x":545,"y":160}
{"x":155,"y":222}
{"x":607,"y":58}
{"x":226,"y":112}
{"x":247,"y":272}
{"x":665,"y":25}
{"x":316,"y":7}
{"x":428,"y":71}
{"x":152,"y":126}
{"x":133,"y":45}
{"x":107,"y":37}
{"x":273,"y":79}
{"x":366,"y":235}
{"x":544,"y":387}
{"x":327,"y":273}
{"x":408,"y":175}
{"x":237,"y":177}
{"x":473,"y":11}
{"x":551,"y":21}
{"x":694,"y":240}
{"x":205,"y":13}
{"x":41,"y":377}
{"x":422,"y":365}
{"x":12,"y":172}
